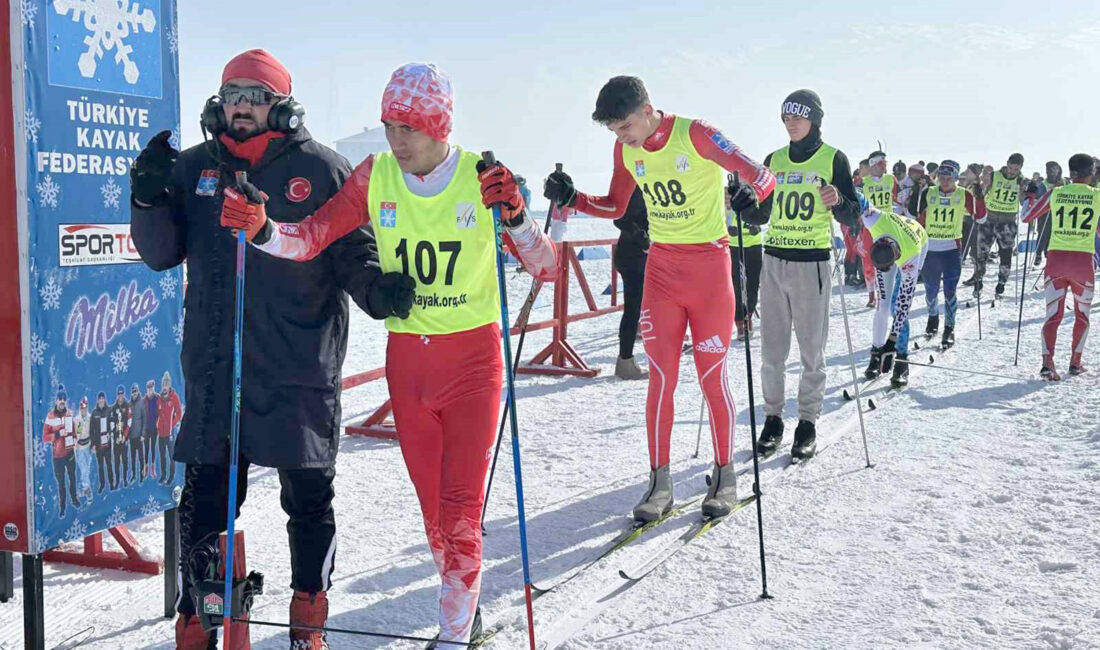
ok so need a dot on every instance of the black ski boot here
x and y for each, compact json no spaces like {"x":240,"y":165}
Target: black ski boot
{"x":948,"y":339}
{"x":971,"y":281}
{"x":933,"y":325}
{"x":999,"y":290}
{"x":658,"y":497}
{"x":722,"y":495}
{"x":900,"y":378}
{"x":770,"y":436}
{"x":874,"y":366}
{"x":805,"y":440}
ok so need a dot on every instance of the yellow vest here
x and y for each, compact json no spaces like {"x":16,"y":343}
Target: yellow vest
{"x":749,"y":239}
{"x":799,"y":219}
{"x":1003,"y":194}
{"x":910,"y":235}
{"x":1074,"y":214}
{"x":880,"y":193}
{"x":684,"y":192}
{"x":943,"y":215}
{"x":446,"y":243}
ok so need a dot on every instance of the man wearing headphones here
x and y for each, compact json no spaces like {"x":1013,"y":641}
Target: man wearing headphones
{"x":295,"y":330}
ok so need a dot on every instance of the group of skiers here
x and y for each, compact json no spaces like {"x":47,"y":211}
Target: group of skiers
{"x":409,"y":235}
{"x":120,"y":440}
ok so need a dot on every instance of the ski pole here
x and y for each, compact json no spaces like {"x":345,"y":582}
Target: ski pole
{"x":1023,"y":285}
{"x":734,"y":184}
{"x":488,"y":159}
{"x":950,"y":369}
{"x":234,"y":434}
{"x":524,"y":315}
{"x":851,"y":355}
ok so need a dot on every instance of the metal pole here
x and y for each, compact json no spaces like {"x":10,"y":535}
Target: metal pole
{"x":34,"y":623}
{"x":171,"y":561}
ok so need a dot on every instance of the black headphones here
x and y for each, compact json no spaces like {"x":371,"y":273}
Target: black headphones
{"x":286,"y":116}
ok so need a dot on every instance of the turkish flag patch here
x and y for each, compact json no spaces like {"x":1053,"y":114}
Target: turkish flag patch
{"x":298,"y":189}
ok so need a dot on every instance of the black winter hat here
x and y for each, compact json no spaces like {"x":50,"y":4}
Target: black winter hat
{"x":804,"y":103}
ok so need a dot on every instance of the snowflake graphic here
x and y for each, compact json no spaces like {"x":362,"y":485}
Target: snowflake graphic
{"x":120,"y":358}
{"x":148,"y":335}
{"x":40,"y":451}
{"x":40,"y":541}
{"x":116,"y":518}
{"x":150,"y":507}
{"x":55,"y":377}
{"x":49,"y":192}
{"x":174,"y":139}
{"x":110,"y":191}
{"x":173,"y":42}
{"x":38,"y":349}
{"x":177,"y":331}
{"x":51,"y":294}
{"x":32,"y":124}
{"x":168,"y":284}
{"x":28,"y":10}
{"x":110,"y":22}
{"x":77,"y":531}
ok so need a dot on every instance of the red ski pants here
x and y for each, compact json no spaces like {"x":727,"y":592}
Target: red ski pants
{"x":688,"y":284}
{"x":445,"y":392}
{"x":1068,"y":271}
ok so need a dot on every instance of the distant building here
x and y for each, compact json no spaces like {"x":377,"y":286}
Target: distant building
{"x":357,"y":147}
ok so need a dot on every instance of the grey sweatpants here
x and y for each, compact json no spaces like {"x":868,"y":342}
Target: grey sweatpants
{"x":794,"y":293}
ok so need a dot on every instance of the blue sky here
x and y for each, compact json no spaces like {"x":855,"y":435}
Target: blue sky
{"x":931,"y":80}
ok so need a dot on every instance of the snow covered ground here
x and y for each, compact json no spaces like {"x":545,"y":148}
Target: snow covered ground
{"x":978,"y":527}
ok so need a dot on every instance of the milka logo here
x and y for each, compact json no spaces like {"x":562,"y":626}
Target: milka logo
{"x":97,"y":325}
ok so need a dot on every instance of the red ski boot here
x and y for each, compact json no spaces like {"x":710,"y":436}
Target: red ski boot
{"x":310,"y":610}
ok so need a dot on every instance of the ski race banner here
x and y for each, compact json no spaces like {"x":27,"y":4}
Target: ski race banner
{"x":92,"y":336}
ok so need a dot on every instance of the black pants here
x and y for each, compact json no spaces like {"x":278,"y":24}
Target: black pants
{"x":1044,"y":234}
{"x":306,"y":497}
{"x":970,"y":239}
{"x":105,"y":466}
{"x":122,"y":465}
{"x":151,"y":450}
{"x":61,"y":468}
{"x":137,"y":456}
{"x":631,"y":267}
{"x":746,"y":298}
{"x":167,"y":465}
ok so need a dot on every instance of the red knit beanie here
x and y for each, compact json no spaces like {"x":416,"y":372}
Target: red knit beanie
{"x":419,"y":94}
{"x":261,"y":66}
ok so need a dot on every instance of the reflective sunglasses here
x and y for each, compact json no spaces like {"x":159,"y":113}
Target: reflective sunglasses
{"x":255,"y":95}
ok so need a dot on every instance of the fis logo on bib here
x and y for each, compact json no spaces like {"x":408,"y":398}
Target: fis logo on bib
{"x":387,"y":214}
{"x":712,"y":345}
{"x":208,"y":183}
{"x":465,"y":215}
{"x":682,"y":164}
{"x":811,"y":178}
{"x":639,"y":168}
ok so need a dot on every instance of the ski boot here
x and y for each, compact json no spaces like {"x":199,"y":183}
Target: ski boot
{"x":310,"y":610}
{"x":1048,"y":372}
{"x":1075,"y":367}
{"x":933,"y":325}
{"x":191,"y":636}
{"x":999,"y":290}
{"x":722,"y":495}
{"x":770,"y":436}
{"x":741,"y":330}
{"x":874,"y":366}
{"x":948,"y":339}
{"x":871,"y":299}
{"x":805,"y":440}
{"x":475,"y":631}
{"x":900,"y":378}
{"x":628,"y":369}
{"x":971,"y":281}
{"x":658,"y":497}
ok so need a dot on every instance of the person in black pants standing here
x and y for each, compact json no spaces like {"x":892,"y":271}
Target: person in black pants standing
{"x":630,"y":258}
{"x":754,"y":259}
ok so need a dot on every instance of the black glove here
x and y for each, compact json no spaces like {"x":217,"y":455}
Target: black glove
{"x":559,"y":189}
{"x":151,"y":173}
{"x":392,"y":295}
{"x":888,"y":351}
{"x":742,"y":196}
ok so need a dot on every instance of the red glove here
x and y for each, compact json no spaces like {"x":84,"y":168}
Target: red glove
{"x":499,"y":186}
{"x":243,"y":209}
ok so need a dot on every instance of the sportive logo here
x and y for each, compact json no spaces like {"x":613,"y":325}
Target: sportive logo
{"x":298,"y":189}
{"x":712,"y":345}
{"x":211,"y":604}
{"x":93,"y":244}
{"x":639,"y":168}
{"x":387,"y":214}
{"x":208,"y":183}
{"x":11,"y":532}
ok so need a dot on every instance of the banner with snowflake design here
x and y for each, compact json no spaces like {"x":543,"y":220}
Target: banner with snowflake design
{"x":100,"y":78}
